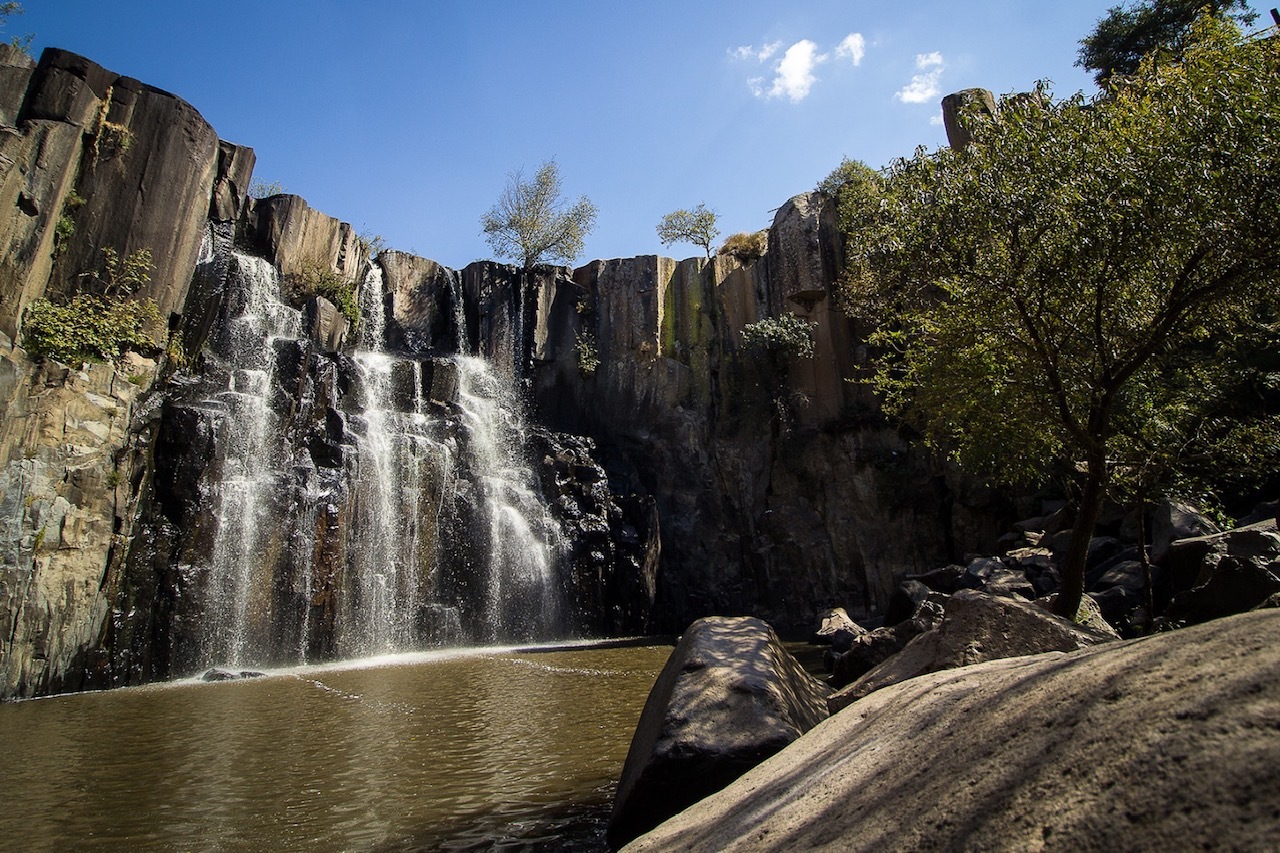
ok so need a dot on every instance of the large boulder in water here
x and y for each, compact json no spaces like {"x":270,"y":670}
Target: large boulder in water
{"x":729,"y":697}
{"x":1165,"y":743}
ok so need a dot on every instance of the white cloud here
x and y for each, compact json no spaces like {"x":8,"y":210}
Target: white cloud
{"x":936,"y":120}
{"x":794,"y":72}
{"x":854,"y":46}
{"x":747,"y":51}
{"x":925,"y":85}
{"x":928,"y":60}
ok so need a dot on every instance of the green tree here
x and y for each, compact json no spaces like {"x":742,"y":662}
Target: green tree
{"x":1127,"y":33}
{"x":697,"y":226}
{"x":533,"y":224}
{"x":1033,"y":288}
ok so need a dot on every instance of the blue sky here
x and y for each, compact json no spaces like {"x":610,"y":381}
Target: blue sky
{"x":405,"y":118}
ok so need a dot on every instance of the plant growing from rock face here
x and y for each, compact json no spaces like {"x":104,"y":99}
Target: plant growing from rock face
{"x":1034,"y":288}
{"x":317,"y":278}
{"x":88,"y":328}
{"x":786,"y":334}
{"x":697,"y":226}
{"x":746,"y":247}
{"x":533,"y":224}
{"x":584,"y":344}
{"x":259,"y":188}
{"x":101,"y":325}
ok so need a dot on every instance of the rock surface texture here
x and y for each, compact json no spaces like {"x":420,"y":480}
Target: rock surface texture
{"x":729,"y":697}
{"x":1164,"y":743}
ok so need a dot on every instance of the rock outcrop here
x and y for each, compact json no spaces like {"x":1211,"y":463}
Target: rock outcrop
{"x":729,"y":697}
{"x":1165,"y":743}
{"x":974,"y":628}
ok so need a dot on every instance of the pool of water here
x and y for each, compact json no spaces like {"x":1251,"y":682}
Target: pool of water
{"x":488,"y":749}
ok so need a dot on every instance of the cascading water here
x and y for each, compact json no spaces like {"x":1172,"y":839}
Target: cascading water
{"x":522,"y":599}
{"x":256,"y":320}
{"x":391,"y":492}
{"x":401,"y":479}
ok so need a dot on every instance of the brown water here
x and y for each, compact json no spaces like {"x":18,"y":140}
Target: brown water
{"x":509,"y":750}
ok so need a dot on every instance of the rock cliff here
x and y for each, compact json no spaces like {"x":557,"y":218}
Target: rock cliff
{"x":684,"y":472}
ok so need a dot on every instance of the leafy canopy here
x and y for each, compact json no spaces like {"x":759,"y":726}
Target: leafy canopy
{"x":1128,"y":33}
{"x":697,"y":226}
{"x":533,"y":224}
{"x":1036,"y":290}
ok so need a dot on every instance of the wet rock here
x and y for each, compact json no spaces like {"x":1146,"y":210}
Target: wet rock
{"x":729,"y":697}
{"x":220,"y":674}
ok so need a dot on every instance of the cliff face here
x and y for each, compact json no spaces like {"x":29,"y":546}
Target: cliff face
{"x":684,"y":473}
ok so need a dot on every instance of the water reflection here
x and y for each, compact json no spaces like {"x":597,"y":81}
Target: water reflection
{"x":456,"y":753}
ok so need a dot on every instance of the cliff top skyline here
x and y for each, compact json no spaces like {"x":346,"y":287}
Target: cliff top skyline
{"x":406,"y":118}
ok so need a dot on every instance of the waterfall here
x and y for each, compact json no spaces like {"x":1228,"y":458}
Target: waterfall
{"x":523,"y":540}
{"x":255,"y":319}
{"x":400,"y":479}
{"x":277,"y":586}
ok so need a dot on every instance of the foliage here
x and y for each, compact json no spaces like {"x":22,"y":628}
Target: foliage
{"x":1127,"y":33}
{"x":259,"y":188}
{"x":697,"y":226}
{"x":588,"y":352}
{"x":7,"y":11}
{"x":65,"y":227}
{"x":176,"y":350}
{"x":89,"y":327}
{"x":122,"y":275}
{"x":317,"y":278}
{"x":533,"y":224}
{"x":1034,"y":290}
{"x":373,"y":244}
{"x":745,"y":246}
{"x":785,"y":334}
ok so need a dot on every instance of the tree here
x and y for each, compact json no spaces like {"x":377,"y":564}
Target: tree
{"x":1128,"y":33}
{"x":533,"y":224}
{"x":1034,"y":288}
{"x":697,"y":226}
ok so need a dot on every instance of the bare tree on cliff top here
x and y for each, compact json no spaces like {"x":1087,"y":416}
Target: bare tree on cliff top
{"x":533,"y":224}
{"x":1036,"y":287}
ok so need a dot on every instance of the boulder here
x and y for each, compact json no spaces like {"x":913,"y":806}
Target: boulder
{"x":975,"y":627}
{"x":833,"y":622}
{"x":874,"y":647}
{"x":904,"y":601}
{"x":729,"y":697}
{"x":1165,"y":743}
{"x":1223,"y":573}
{"x":1173,"y":521}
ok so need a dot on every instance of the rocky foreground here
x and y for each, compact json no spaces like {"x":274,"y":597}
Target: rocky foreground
{"x":1167,"y":742}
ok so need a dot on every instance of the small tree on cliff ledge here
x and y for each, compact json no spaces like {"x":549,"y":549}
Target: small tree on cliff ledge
{"x":532,"y":224}
{"x":697,"y":226}
{"x":1034,"y":288}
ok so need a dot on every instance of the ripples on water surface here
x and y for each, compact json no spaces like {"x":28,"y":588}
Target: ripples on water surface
{"x":510,"y":750}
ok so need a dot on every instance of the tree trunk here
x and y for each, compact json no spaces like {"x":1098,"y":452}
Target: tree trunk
{"x":1095,"y":489}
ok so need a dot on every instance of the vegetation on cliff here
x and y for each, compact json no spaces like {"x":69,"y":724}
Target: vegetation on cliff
{"x":697,"y":226}
{"x":100,"y":323}
{"x":533,"y":224}
{"x":1073,"y":282}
